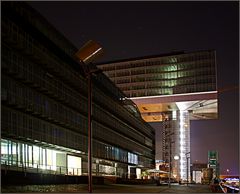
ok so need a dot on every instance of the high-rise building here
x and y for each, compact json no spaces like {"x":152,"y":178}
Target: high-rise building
{"x":171,"y":88}
{"x":44,"y":106}
{"x":213,"y":162}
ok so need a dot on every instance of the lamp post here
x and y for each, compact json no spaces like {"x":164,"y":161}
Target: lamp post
{"x":187,"y":157}
{"x":170,"y":157}
{"x":88,"y":53}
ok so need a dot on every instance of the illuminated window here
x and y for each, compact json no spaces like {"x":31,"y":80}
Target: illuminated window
{"x":74,"y":165}
{"x":174,"y":115}
{"x":132,"y":158}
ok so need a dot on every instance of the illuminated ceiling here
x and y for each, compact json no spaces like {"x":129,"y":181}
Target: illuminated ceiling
{"x":200,"y":105}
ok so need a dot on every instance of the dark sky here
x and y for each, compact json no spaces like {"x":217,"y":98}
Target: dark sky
{"x":138,"y":28}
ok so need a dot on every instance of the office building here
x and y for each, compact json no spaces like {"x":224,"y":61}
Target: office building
{"x":44,"y":106}
{"x":171,"y":88}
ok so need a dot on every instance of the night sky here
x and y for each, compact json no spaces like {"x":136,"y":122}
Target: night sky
{"x":135,"y":29}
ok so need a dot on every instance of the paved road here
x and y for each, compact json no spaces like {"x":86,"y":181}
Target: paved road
{"x":113,"y":188}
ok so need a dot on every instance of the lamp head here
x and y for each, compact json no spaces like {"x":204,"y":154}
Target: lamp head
{"x":176,"y":157}
{"x":89,"y":52}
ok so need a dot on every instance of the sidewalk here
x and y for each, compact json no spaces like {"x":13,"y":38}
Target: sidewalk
{"x":111,"y":188}
{"x":188,"y":189}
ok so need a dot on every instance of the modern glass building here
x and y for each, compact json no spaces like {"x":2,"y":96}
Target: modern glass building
{"x":171,"y":88}
{"x":167,"y":74}
{"x":44,"y":106}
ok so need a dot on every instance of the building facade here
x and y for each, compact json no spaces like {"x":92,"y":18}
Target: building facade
{"x":44,"y":106}
{"x":172,"y":88}
{"x":168,"y":74}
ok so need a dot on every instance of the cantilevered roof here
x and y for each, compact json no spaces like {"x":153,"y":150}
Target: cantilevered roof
{"x":201,"y":105}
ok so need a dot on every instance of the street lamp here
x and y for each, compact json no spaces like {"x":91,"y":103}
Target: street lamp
{"x":176,"y":157}
{"x":227,"y":171}
{"x":88,"y":53}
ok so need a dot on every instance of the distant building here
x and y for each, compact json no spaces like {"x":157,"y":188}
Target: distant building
{"x":196,"y":171}
{"x":171,"y":88}
{"x":44,"y":106}
{"x":213,"y":162}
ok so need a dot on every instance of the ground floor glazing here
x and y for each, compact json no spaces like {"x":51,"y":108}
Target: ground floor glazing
{"x":18,"y":155}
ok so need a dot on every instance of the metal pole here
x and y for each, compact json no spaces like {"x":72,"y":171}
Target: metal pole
{"x":187,"y":157}
{"x":178,"y":179}
{"x":170,"y":153}
{"x":187,"y":170}
{"x":170,"y":166}
{"x":89,"y":133}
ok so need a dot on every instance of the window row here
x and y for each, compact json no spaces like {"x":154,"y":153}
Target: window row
{"x":196,"y":80}
{"x":31,"y":73}
{"x":128,"y":65}
{"x":194,"y":88}
{"x":153,"y":74}
{"x":17,"y":124}
{"x":41,"y":159}
{"x":150,"y":163}
{"x":34,"y":49}
{"x":44,"y":28}
{"x":122,"y":80}
{"x":158,"y":66}
{"x":117,"y":139}
{"x":118,"y":126}
{"x":119,"y":111}
{"x":20,"y":125}
{"x":196,"y":64}
{"x":106,"y":151}
{"x":107,"y":87}
{"x":197,"y":56}
{"x":175,"y":90}
{"x":14,"y":153}
{"x":184,"y":73}
{"x":151,"y":92}
{"x":32,"y":101}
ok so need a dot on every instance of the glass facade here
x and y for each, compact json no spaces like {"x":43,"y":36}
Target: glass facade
{"x":164,"y":75}
{"x":44,"y":105}
{"x":58,"y":160}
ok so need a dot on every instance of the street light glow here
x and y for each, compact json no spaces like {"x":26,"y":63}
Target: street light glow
{"x":176,"y":157}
